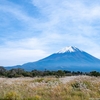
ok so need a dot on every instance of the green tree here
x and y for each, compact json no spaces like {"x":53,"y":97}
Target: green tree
{"x":94,"y":73}
{"x":60,"y":73}
{"x":2,"y":71}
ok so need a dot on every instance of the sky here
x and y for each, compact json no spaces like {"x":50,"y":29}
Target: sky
{"x":33,"y":29}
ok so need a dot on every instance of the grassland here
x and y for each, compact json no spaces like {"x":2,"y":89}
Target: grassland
{"x":50,"y":88}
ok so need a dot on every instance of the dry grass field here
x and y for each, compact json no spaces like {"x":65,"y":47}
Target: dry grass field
{"x":50,"y":88}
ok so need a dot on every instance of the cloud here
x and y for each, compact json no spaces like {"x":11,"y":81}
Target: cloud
{"x":57,"y":24}
{"x":19,"y":56}
{"x":66,"y":16}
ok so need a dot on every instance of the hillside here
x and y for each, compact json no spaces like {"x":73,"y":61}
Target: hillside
{"x":69,"y":58}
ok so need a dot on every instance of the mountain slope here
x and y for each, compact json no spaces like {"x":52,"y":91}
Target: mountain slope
{"x":69,"y":58}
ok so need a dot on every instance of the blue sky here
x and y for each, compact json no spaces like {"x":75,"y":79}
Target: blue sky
{"x":33,"y":29}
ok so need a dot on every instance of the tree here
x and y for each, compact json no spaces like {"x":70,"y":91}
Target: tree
{"x":2,"y":71}
{"x":60,"y":73}
{"x":94,"y":73}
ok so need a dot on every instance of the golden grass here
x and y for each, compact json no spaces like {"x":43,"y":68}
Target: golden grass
{"x":50,"y":88}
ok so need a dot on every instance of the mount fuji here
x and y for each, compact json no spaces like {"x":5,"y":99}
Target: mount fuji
{"x":69,"y":58}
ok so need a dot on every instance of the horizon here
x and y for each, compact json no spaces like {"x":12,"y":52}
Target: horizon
{"x":33,"y":29}
{"x":68,"y":49}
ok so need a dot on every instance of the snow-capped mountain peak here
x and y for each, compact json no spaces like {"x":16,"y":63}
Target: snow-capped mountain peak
{"x":69,"y":58}
{"x":69,"y":49}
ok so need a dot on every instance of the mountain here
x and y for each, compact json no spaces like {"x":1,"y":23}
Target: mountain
{"x":69,"y":58}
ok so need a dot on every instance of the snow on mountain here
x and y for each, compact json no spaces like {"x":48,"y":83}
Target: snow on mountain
{"x":69,"y":49}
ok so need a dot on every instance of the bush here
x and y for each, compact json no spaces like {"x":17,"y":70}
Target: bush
{"x":12,"y":95}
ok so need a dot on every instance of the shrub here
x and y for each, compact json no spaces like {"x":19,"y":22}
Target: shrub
{"x":12,"y":95}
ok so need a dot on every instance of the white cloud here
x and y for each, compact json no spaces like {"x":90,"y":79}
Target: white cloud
{"x":61,"y":23}
{"x":17,"y":56}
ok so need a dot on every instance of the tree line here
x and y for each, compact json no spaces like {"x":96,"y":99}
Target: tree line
{"x":18,"y":72}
